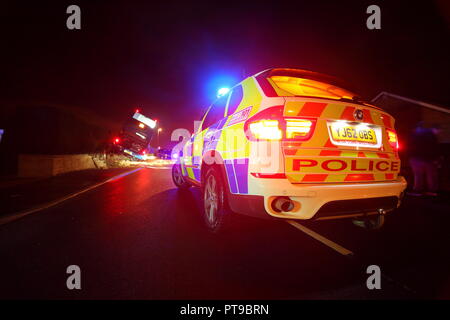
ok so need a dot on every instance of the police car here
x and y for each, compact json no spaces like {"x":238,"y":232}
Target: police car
{"x":293,"y":144}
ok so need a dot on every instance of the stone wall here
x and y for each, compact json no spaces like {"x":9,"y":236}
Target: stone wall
{"x":31,"y":165}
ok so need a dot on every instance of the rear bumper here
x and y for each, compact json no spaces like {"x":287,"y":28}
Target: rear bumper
{"x":319,"y":201}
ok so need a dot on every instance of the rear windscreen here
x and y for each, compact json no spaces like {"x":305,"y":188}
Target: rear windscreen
{"x":310,"y":88}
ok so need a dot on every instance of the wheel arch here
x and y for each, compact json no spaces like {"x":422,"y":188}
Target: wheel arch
{"x":210,"y":159}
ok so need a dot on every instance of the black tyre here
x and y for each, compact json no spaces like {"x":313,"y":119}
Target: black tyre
{"x":178,"y":178}
{"x":216,"y":215}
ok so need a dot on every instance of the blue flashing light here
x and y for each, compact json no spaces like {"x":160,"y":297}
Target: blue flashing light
{"x":222,"y":91}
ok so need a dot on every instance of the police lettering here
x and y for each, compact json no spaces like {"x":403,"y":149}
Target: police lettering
{"x":334,"y":165}
{"x":297,"y":163}
{"x":341,"y":165}
{"x":379,"y":168}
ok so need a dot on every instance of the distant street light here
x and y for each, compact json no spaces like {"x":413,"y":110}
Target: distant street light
{"x":159,"y":130}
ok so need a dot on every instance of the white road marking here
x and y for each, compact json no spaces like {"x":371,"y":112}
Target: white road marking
{"x":321,"y":238}
{"x":14,"y":216}
{"x":343,"y":251}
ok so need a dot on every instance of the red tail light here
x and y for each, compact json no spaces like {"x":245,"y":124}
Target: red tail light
{"x":265,"y":130}
{"x":392,"y":139}
{"x":265,"y":125}
{"x":270,"y":124}
{"x":116,"y":140}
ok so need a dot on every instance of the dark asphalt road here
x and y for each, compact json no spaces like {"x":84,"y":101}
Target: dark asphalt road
{"x":139,"y":237}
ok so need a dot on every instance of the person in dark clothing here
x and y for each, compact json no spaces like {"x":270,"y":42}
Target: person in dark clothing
{"x":424,"y":155}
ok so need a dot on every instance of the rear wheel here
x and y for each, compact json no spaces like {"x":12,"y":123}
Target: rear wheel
{"x":178,"y":178}
{"x":215,"y":213}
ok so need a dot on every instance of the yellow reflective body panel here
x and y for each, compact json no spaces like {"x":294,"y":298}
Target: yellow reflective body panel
{"x":231,"y":141}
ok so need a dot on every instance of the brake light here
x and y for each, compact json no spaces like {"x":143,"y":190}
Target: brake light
{"x":270,"y":124}
{"x":265,"y":125}
{"x":116,"y":140}
{"x":265,"y":130}
{"x":392,"y":139}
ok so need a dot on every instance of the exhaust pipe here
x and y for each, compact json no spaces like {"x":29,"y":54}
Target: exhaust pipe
{"x":282,"y":204}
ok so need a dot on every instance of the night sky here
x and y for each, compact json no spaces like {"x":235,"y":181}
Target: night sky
{"x":170,"y":58}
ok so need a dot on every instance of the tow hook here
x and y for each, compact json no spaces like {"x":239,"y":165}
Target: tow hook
{"x":371,"y":222}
